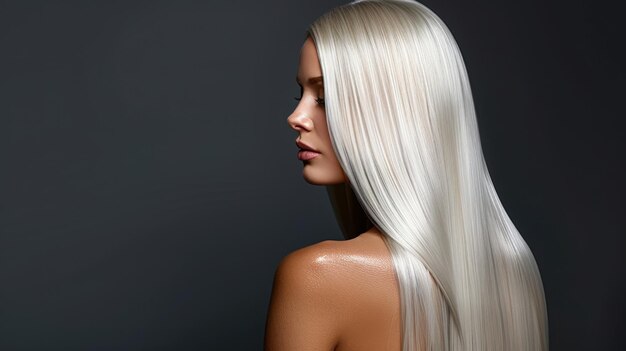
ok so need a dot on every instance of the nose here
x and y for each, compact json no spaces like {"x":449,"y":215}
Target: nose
{"x":299,"y":121}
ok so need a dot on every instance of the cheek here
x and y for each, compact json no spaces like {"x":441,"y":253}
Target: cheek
{"x":331,"y":166}
{"x":322,"y":132}
{"x":330,"y":159}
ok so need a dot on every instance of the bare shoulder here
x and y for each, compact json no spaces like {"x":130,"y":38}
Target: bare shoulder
{"x":320,"y":290}
{"x":364,"y":259}
{"x":345,"y":275}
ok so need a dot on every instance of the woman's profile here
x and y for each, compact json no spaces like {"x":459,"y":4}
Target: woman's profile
{"x":431,"y":260}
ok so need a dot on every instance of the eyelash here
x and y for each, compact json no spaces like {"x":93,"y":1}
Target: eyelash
{"x":320,"y":101}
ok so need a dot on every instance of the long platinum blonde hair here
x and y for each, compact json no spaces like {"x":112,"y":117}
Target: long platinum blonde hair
{"x":401,"y":118}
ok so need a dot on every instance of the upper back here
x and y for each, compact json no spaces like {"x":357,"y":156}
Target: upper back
{"x":355,"y":281}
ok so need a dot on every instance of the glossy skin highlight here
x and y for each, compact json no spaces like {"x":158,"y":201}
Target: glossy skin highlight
{"x":335,"y":296}
{"x":309,"y":120}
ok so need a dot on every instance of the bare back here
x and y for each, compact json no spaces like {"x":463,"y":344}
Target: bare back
{"x":353,"y":281}
{"x":376,"y":318}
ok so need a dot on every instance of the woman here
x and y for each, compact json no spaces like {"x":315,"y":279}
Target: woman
{"x":432,"y":261}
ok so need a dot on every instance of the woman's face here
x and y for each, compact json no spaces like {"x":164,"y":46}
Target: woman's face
{"x":309,"y":119}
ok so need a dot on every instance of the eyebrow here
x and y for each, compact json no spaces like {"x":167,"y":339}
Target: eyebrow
{"x":312,"y":80}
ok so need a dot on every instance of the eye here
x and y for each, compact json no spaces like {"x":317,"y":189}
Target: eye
{"x":299,"y":98}
{"x":319,"y":100}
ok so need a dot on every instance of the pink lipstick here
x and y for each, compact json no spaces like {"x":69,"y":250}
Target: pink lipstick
{"x":306,"y":152}
{"x":306,"y":155}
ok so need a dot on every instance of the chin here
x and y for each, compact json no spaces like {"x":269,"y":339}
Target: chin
{"x":322,"y":176}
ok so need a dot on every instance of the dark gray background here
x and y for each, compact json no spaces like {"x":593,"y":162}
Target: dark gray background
{"x":149,"y":184}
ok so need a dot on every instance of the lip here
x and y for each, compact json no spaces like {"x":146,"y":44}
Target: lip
{"x":306,"y":152}
{"x":306,"y":155}
{"x":304,"y":146}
